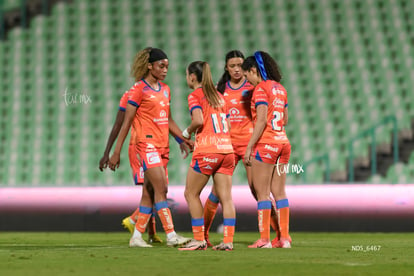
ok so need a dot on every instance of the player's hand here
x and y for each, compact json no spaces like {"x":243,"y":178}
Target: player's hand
{"x":103,"y":163}
{"x":190,"y":144}
{"x":185,"y":150}
{"x":114,"y":161}
{"x":247,"y":156}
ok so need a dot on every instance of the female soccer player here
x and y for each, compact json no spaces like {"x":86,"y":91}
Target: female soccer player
{"x":137,"y":171}
{"x":148,"y":111}
{"x":237,"y":93}
{"x":213,"y":155}
{"x":268,"y":146}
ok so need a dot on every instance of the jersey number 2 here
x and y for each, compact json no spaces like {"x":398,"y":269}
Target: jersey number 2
{"x":277,"y":116}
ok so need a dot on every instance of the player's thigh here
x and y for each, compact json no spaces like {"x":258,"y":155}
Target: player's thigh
{"x":261,"y":176}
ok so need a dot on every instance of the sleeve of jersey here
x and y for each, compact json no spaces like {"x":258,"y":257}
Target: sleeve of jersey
{"x":286,"y":100}
{"x":135,"y":96}
{"x":260,"y":97}
{"x":123,"y":102}
{"x":193,"y":102}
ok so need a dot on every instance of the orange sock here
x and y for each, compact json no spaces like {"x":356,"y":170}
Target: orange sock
{"x":143,"y":218}
{"x":198,"y":228}
{"x":263,"y":211}
{"x":165,"y":216}
{"x":134,"y":215}
{"x":228,"y":229}
{"x":151,"y":225}
{"x":283,"y":210}
{"x":274,"y":220}
{"x":210,"y":209}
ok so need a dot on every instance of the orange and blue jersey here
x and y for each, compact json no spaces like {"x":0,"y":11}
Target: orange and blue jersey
{"x":153,"y":109}
{"x":238,"y":104}
{"x":213,"y":136}
{"x":274,"y":95}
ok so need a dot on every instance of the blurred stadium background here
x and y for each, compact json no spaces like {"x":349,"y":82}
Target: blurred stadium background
{"x":348,"y":68}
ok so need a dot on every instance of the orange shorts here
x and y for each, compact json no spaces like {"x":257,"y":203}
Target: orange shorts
{"x":152,"y":157}
{"x":239,"y":152}
{"x":137,"y":170}
{"x":271,"y":153}
{"x":212,"y":163}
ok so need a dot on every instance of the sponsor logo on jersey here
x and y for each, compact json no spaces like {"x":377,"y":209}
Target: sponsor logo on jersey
{"x":233,"y":101}
{"x":153,"y":158}
{"x":271,"y":148}
{"x":268,"y":156}
{"x":210,"y":160}
{"x":208,"y":167}
{"x":278,"y":103}
{"x":277,"y":91}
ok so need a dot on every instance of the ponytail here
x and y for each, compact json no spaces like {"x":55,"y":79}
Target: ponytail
{"x":209,"y":89}
{"x":221,"y":85}
{"x":139,"y":68}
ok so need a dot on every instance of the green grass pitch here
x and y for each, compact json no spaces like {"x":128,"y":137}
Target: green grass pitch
{"x":27,"y":253}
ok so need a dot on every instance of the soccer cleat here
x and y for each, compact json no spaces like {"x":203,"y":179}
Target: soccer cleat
{"x":138,"y":242}
{"x":177,"y":240}
{"x":224,"y":246}
{"x":154,"y":239}
{"x":275,"y":241}
{"x":194,"y":245}
{"x":260,"y":244}
{"x":282,"y":243}
{"x":128,"y":225}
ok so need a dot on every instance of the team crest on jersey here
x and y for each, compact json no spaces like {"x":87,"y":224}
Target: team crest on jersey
{"x":166,"y":93}
{"x":163,"y":114}
{"x":234,"y":111}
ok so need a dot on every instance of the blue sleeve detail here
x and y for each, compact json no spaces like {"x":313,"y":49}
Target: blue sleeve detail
{"x":122,"y":109}
{"x":259,"y":103}
{"x":286,"y":105}
{"x":194,"y":107}
{"x":133,"y":103}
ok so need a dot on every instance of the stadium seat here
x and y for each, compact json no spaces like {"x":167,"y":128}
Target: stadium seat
{"x":345,"y":64}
